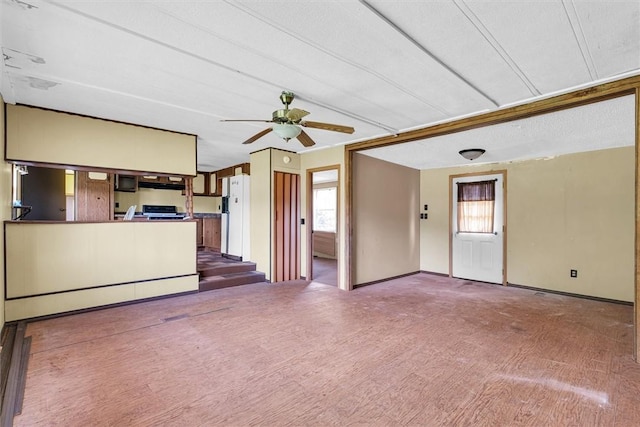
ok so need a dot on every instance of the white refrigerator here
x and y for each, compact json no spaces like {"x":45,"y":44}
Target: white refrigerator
{"x":235,"y":217}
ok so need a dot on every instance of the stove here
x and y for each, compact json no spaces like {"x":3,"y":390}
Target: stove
{"x":161,"y":212}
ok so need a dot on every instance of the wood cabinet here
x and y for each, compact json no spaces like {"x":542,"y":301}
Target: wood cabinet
{"x":199,"y":236}
{"x":94,"y":196}
{"x":211,"y":234}
{"x":215,"y":187}
{"x":210,"y":183}
{"x":201,"y":184}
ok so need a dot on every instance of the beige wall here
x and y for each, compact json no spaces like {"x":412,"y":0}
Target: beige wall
{"x":263,"y":164}
{"x":154,"y":196}
{"x":54,"y":266}
{"x":570,"y":212}
{"x":386,"y":240}
{"x":320,"y":159}
{"x":260,"y":221}
{"x":46,"y":136}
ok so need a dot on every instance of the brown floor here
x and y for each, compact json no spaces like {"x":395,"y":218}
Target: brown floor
{"x":325,"y":271}
{"x":421,"y":350}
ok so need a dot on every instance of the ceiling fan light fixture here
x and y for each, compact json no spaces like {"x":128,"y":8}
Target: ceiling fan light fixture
{"x":286,"y":131}
{"x":471,"y":153}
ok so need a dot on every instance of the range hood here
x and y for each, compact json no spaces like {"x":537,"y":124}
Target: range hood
{"x":161,"y":185}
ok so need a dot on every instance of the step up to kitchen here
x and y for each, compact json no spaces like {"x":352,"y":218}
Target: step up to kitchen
{"x":219,"y":268}
{"x":228,"y":280}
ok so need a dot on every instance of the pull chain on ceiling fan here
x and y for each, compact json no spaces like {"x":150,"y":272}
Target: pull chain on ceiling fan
{"x":287,"y":122}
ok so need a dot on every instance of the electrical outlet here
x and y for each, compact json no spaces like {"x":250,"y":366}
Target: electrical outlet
{"x":574,"y":273}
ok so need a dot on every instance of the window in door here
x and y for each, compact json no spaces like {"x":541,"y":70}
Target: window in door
{"x":476,"y":206}
{"x":324,"y":209}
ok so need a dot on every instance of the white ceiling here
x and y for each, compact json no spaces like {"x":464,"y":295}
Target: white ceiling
{"x":607,"y":124}
{"x":380,"y":66}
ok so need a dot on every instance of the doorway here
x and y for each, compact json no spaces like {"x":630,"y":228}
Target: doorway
{"x":323,"y":225}
{"x":477,"y":231}
{"x":43,"y":189}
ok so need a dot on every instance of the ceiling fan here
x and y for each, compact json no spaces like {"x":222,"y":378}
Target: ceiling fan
{"x":287,"y":122}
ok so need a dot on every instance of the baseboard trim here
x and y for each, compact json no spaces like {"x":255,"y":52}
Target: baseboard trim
{"x":569,"y":294}
{"x":433,"y":273}
{"x":103,"y":307}
{"x":14,"y":391}
{"x":362,"y":285}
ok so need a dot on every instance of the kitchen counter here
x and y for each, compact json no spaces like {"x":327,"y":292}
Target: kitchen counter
{"x":206,"y":215}
{"x":56,"y":266}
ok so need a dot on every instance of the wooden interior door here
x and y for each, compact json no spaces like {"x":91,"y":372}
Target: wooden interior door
{"x":287,"y":227}
{"x":94,"y":196}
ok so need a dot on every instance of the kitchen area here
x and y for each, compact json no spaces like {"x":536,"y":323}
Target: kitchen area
{"x":220,"y":205}
{"x":104,"y":212}
{"x":54,"y":194}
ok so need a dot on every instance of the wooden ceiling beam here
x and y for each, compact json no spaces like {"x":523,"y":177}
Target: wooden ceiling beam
{"x":573,"y":99}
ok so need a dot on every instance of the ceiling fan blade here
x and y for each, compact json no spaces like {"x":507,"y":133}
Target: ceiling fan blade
{"x":295,"y":114}
{"x":328,"y":126}
{"x":305,"y":139}
{"x":247,"y":120}
{"x":258,"y":135}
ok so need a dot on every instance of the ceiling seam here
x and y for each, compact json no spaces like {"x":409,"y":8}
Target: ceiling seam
{"x":427,"y":52}
{"x":578,"y":32}
{"x":204,"y":59}
{"x":258,"y":53}
{"x":484,"y":31}
{"x":342,"y":59}
{"x":59,"y":80}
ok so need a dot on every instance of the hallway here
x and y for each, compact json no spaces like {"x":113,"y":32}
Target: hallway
{"x":325,"y":271}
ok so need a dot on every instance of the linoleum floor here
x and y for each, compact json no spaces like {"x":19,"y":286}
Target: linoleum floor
{"x":422,"y":350}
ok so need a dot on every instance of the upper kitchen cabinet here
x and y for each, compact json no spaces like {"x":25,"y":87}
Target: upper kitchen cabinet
{"x":210,"y":183}
{"x":215,"y":178}
{"x":201,"y":184}
{"x":214,"y":185}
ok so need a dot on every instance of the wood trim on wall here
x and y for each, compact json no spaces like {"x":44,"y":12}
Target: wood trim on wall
{"x":576,"y":98}
{"x":636,"y":311}
{"x":348,"y":211}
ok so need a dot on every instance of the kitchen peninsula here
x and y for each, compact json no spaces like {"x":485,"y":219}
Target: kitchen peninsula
{"x":60,"y":266}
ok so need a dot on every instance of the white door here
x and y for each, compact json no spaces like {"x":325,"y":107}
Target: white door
{"x":237,"y":214}
{"x":478,"y":256}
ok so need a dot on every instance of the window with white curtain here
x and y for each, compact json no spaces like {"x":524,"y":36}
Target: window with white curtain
{"x":476,"y":206}
{"x":325,"y":209}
